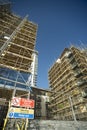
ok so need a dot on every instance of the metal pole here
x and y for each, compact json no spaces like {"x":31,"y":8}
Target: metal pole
{"x":6,"y":119}
{"x":26,"y":125}
{"x":74,"y":116}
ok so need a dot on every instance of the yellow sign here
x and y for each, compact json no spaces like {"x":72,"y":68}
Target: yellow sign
{"x":31,"y":111}
{"x":21,"y":110}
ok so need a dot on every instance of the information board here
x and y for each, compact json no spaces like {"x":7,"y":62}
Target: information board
{"x":20,"y":113}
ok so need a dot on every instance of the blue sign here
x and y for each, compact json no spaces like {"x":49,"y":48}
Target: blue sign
{"x":20,"y":115}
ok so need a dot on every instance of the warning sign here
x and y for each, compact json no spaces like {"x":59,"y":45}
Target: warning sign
{"x":27,"y":103}
{"x":15,"y":101}
{"x":20,"y":113}
{"x":22,"y":102}
{"x":21,"y":110}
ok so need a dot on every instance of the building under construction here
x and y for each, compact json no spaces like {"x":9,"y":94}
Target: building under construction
{"x":17,"y":40}
{"x":17,"y":47}
{"x":68,"y":84}
{"x":18,"y":62}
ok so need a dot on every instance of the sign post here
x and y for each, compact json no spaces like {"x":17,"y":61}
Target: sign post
{"x":21,"y":108}
{"x":27,"y":118}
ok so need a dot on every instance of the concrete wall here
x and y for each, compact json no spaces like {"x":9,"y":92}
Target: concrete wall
{"x":56,"y":125}
{"x":19,"y":124}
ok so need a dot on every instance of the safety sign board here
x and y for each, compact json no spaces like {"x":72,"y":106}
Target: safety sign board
{"x":15,"y":101}
{"x":22,"y":102}
{"x":20,"y":113}
{"x":21,"y":110}
{"x":27,"y":103}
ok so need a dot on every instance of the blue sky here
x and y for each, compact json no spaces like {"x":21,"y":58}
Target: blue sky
{"x":60,"y":24}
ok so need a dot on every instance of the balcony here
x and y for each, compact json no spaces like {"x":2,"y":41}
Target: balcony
{"x":71,"y":59}
{"x":68,"y":54}
{"x":81,"y":82}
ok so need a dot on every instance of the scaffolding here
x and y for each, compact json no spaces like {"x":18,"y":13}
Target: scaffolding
{"x":17,"y":43}
{"x":68,"y":81}
{"x":17,"y":47}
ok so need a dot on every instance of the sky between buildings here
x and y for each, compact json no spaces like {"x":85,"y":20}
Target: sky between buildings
{"x":61,"y":23}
